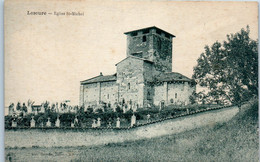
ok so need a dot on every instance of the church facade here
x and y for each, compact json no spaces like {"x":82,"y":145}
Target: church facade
{"x":143,"y":78}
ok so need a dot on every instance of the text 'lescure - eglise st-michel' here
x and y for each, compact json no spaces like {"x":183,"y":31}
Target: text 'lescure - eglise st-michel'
{"x":55,"y":13}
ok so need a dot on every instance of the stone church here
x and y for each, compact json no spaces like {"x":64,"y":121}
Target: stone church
{"x":144,"y":78}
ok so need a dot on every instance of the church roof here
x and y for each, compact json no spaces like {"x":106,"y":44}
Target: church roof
{"x":148,"y":28}
{"x":134,"y":57}
{"x":100,"y":78}
{"x":172,"y":76}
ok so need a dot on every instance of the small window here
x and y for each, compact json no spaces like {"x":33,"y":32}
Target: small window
{"x":107,"y":96}
{"x":134,"y":34}
{"x":144,"y":38}
{"x":129,"y":86}
{"x":146,"y":31}
{"x":158,"y":32}
{"x":175,"y":95}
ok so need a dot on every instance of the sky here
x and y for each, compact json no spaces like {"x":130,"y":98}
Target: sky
{"x":46,"y":56}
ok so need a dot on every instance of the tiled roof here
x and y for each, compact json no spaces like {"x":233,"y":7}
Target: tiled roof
{"x":100,"y":78}
{"x":172,"y":76}
{"x":134,"y":57}
{"x":152,"y":27}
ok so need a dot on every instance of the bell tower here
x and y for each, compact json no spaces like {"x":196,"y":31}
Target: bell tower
{"x":152,"y":44}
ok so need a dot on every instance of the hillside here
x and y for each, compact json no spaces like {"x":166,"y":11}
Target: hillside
{"x":236,"y":140}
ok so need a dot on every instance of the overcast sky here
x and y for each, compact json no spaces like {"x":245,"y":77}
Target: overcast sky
{"x":46,"y":57}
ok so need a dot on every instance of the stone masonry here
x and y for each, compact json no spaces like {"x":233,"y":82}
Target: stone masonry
{"x":143,"y":78}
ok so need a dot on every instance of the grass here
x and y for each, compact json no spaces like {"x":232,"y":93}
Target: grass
{"x":236,"y":140}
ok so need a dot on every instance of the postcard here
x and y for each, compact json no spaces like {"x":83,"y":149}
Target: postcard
{"x":129,"y":80}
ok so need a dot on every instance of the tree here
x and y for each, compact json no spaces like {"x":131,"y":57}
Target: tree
{"x":229,"y":70}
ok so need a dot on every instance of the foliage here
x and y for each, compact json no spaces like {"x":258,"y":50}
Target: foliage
{"x":229,"y":70}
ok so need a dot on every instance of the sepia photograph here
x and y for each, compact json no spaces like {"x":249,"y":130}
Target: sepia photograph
{"x":130,"y":80}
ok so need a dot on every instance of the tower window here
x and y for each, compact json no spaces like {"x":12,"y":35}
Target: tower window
{"x":158,"y":32}
{"x":107,"y":96}
{"x":144,"y":38}
{"x":175,"y":95}
{"x":128,"y":85}
{"x":134,"y":34}
{"x":146,"y":31}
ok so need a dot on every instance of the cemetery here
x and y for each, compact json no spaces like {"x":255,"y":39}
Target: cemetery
{"x":68,"y":117}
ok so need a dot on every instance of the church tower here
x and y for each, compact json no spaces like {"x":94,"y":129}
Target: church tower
{"x":152,"y":44}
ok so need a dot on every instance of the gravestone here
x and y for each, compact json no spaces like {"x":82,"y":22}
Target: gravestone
{"x":41,"y":125}
{"x":14,"y":124}
{"x":134,"y":108}
{"x":72,"y":125}
{"x":98,"y":122}
{"x":94,"y":125}
{"x":188,"y":112}
{"x":148,"y":118}
{"x":42,"y":109}
{"x":57,"y":107}
{"x":118,"y":123}
{"x":57,"y":122}
{"x":48,"y":124}
{"x":76,"y":122}
{"x":124,"y":109}
{"x":32,"y":122}
{"x":133,"y":120}
{"x":109,"y":124}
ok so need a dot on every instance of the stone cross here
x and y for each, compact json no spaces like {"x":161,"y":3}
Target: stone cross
{"x":98,"y":122}
{"x":32,"y":122}
{"x":133,"y":120}
{"x":57,"y":122}
{"x":118,"y":123}
{"x":94,"y":125}
{"x":48,"y":124}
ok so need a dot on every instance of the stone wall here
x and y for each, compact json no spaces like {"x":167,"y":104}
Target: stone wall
{"x":156,"y":47}
{"x":87,"y":137}
{"x":131,"y":81}
{"x":91,"y":94}
{"x":173,"y":93}
{"x":162,"y":53}
{"x":135,"y":44}
{"x":179,"y":93}
{"x":94,"y":93}
{"x":109,"y":92}
{"x":159,"y":94}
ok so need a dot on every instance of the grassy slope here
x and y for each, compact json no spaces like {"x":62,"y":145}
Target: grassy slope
{"x":236,"y":140}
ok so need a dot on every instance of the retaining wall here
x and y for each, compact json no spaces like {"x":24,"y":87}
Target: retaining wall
{"x":88,"y":137}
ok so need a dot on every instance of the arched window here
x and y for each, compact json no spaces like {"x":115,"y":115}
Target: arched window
{"x":175,"y":95}
{"x":128,"y":85}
